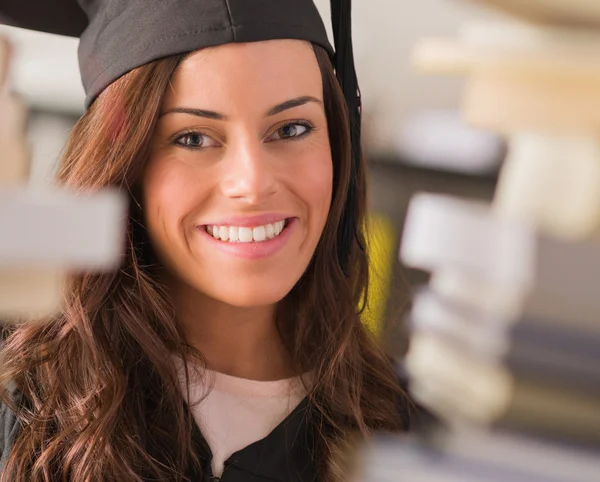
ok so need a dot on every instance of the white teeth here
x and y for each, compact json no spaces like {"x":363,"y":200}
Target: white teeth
{"x":239,"y":234}
{"x":245,"y":235}
{"x":224,"y":233}
{"x":259,"y":234}
{"x":270,"y":229}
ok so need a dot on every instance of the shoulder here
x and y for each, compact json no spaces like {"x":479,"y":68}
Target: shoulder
{"x":9,"y":427}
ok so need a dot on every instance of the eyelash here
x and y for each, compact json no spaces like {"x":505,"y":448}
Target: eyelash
{"x":307,"y":125}
{"x":177,"y":139}
{"x":309,"y":129}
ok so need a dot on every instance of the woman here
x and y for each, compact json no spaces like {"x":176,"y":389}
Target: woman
{"x":229,"y":343}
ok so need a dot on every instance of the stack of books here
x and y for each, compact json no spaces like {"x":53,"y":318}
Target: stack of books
{"x":505,"y":346}
{"x":505,"y":351}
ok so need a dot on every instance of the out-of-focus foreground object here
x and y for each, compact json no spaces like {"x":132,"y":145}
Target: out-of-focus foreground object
{"x":505,"y":343}
{"x":45,"y":234}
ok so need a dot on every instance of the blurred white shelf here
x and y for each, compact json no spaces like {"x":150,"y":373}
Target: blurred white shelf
{"x":45,"y":70}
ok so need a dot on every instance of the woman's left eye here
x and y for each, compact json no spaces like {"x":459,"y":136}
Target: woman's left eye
{"x":291,"y":131}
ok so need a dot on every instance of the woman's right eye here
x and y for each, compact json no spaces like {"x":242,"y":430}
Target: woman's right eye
{"x":195,"y":140}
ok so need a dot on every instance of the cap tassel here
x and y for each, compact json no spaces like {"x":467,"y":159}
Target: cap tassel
{"x":341,"y":15}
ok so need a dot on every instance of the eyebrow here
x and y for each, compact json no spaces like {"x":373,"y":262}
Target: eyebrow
{"x":278,"y":109}
{"x":290,"y":104}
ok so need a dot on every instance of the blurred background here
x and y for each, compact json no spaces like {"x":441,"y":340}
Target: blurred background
{"x":414,"y":139}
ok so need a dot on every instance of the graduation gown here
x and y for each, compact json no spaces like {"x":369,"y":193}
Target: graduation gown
{"x":287,"y":454}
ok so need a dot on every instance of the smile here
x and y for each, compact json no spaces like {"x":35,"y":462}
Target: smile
{"x":244,"y":234}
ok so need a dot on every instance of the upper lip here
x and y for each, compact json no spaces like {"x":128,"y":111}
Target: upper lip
{"x":249,"y":221}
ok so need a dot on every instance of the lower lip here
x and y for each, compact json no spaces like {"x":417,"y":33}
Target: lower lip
{"x":253,"y":250}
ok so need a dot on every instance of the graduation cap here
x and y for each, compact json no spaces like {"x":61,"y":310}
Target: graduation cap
{"x":117,"y":36}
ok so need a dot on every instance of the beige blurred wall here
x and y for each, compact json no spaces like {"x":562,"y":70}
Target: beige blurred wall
{"x":386,"y":32}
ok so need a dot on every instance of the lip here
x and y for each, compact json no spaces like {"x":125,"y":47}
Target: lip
{"x":254,"y":250}
{"x":249,"y":221}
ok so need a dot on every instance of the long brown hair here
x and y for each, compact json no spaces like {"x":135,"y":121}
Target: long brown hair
{"x":98,"y":383}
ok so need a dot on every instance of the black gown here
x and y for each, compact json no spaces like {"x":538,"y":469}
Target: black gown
{"x":287,"y":454}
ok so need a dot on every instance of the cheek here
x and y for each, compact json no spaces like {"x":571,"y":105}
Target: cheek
{"x":315,"y":182}
{"x":169,"y":192}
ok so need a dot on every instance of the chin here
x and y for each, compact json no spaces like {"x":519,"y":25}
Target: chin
{"x":251,"y":300}
{"x":248,"y":295}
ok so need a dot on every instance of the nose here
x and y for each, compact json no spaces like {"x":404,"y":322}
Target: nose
{"x":248,"y":174}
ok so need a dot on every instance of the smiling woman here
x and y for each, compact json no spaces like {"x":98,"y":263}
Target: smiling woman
{"x":229,"y":343}
{"x":242,"y":148}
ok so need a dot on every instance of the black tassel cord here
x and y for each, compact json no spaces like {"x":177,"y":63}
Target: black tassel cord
{"x":341,"y":15}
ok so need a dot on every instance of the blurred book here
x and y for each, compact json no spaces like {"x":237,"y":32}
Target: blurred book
{"x":549,"y":350}
{"x":466,"y":455}
{"x":440,"y":140}
{"x":459,"y":387}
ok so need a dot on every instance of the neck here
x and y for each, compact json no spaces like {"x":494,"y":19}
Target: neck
{"x":238,"y":341}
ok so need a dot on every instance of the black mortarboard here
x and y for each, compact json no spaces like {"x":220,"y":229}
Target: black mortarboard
{"x":117,"y":36}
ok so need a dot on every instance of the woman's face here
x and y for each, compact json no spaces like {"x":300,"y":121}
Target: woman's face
{"x":238,"y":184}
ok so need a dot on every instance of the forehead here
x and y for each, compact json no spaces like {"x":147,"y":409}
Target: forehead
{"x":247,"y":74}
